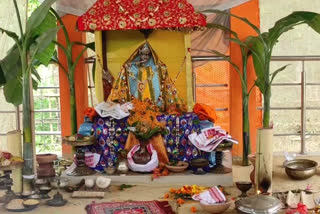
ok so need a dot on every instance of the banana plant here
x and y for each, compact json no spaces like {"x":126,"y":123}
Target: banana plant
{"x":71,"y":68}
{"x":17,"y":69}
{"x":261,"y":47}
{"x":246,"y":91}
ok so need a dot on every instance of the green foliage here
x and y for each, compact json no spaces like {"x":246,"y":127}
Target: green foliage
{"x":261,"y":47}
{"x":70,"y":69}
{"x":36,"y":43}
{"x":29,"y":45}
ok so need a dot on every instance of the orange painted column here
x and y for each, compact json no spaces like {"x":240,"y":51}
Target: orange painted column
{"x":250,"y":10}
{"x":81,"y":82}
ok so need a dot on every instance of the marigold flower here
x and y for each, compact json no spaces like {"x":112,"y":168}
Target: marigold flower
{"x":166,"y":195}
{"x":193,"y":209}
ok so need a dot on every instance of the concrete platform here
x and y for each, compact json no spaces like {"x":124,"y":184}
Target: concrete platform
{"x":186,"y":178}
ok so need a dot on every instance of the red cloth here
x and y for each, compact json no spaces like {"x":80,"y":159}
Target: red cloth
{"x":301,"y":209}
{"x":205,"y":112}
{"x":140,"y":14}
{"x":130,"y":207}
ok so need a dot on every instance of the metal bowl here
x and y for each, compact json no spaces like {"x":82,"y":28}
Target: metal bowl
{"x":301,"y":169}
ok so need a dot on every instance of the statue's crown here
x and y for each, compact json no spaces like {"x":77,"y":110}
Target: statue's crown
{"x":145,"y":49}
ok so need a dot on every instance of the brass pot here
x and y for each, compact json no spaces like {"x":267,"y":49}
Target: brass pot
{"x":300,"y":169}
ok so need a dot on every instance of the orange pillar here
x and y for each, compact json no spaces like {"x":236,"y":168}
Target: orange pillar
{"x":250,"y":10}
{"x":81,"y":82}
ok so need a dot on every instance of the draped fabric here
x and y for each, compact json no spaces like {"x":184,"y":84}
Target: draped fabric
{"x":79,"y":7}
{"x":140,"y":14}
{"x":202,"y":41}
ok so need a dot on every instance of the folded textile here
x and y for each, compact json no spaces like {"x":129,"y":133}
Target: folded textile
{"x":151,"y":165}
{"x":205,"y":112}
{"x":210,"y":138}
{"x":114,"y":110}
{"x":211,"y":196}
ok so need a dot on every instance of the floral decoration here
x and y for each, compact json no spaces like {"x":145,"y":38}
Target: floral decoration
{"x":144,"y":119}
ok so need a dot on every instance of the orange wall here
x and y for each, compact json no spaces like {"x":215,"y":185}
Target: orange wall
{"x":81,"y":83}
{"x":249,"y":10}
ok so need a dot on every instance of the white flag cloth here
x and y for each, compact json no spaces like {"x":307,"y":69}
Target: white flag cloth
{"x":211,"y":196}
{"x":114,"y":110}
{"x":210,"y":138}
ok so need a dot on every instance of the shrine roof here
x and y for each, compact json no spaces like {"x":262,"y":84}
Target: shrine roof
{"x":140,"y":14}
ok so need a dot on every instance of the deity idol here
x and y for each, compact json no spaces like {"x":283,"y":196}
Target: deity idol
{"x":146,"y":78}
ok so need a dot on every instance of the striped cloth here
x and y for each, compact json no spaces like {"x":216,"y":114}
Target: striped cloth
{"x":211,"y":196}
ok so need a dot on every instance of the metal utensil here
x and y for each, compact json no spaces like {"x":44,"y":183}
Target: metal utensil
{"x":300,"y":169}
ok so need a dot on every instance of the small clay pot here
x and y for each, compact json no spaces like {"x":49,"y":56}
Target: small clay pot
{"x":45,"y":162}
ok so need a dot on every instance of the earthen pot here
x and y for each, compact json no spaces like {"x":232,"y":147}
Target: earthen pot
{"x":142,"y":156}
{"x":45,"y":168}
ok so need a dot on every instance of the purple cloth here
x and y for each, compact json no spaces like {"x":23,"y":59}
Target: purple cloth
{"x":111,"y":135}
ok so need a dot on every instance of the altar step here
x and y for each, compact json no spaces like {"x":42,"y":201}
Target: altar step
{"x":186,"y":178}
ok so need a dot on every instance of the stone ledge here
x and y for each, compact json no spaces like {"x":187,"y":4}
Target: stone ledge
{"x":186,"y":178}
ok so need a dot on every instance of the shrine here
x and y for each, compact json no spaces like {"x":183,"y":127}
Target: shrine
{"x":156,"y":106}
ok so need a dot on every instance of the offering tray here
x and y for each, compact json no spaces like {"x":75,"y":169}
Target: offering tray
{"x":26,"y":209}
{"x":86,"y":141}
{"x":81,"y":168}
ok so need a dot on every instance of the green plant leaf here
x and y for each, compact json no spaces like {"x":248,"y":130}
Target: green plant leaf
{"x":2,"y":78}
{"x":273,"y":75}
{"x":223,"y":28}
{"x":257,"y":47}
{"x":43,"y":41}
{"x":11,"y":64}
{"x":49,"y":23}
{"x":35,"y":73}
{"x":35,"y":84}
{"x":13,"y":91}
{"x":289,"y":22}
{"x":11,"y":34}
{"x":38,"y":16}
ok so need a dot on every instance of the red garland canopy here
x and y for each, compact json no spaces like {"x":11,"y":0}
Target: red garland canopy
{"x":140,"y":14}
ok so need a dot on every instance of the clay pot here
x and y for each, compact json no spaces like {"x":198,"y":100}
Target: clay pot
{"x":45,"y":162}
{"x":252,"y":159}
{"x":142,"y":156}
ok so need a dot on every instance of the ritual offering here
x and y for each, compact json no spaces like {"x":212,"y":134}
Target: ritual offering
{"x":31,"y":203}
{"x":80,"y":143}
{"x":177,"y":166}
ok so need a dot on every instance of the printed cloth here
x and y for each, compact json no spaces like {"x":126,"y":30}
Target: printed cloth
{"x":112,"y":134}
{"x":140,"y":14}
{"x":211,"y":196}
{"x":210,"y":138}
{"x":130,"y":207}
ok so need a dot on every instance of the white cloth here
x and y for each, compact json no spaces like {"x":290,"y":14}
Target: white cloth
{"x":114,"y":110}
{"x":92,"y":159}
{"x":210,"y":138}
{"x":211,"y":196}
{"x":151,"y":165}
